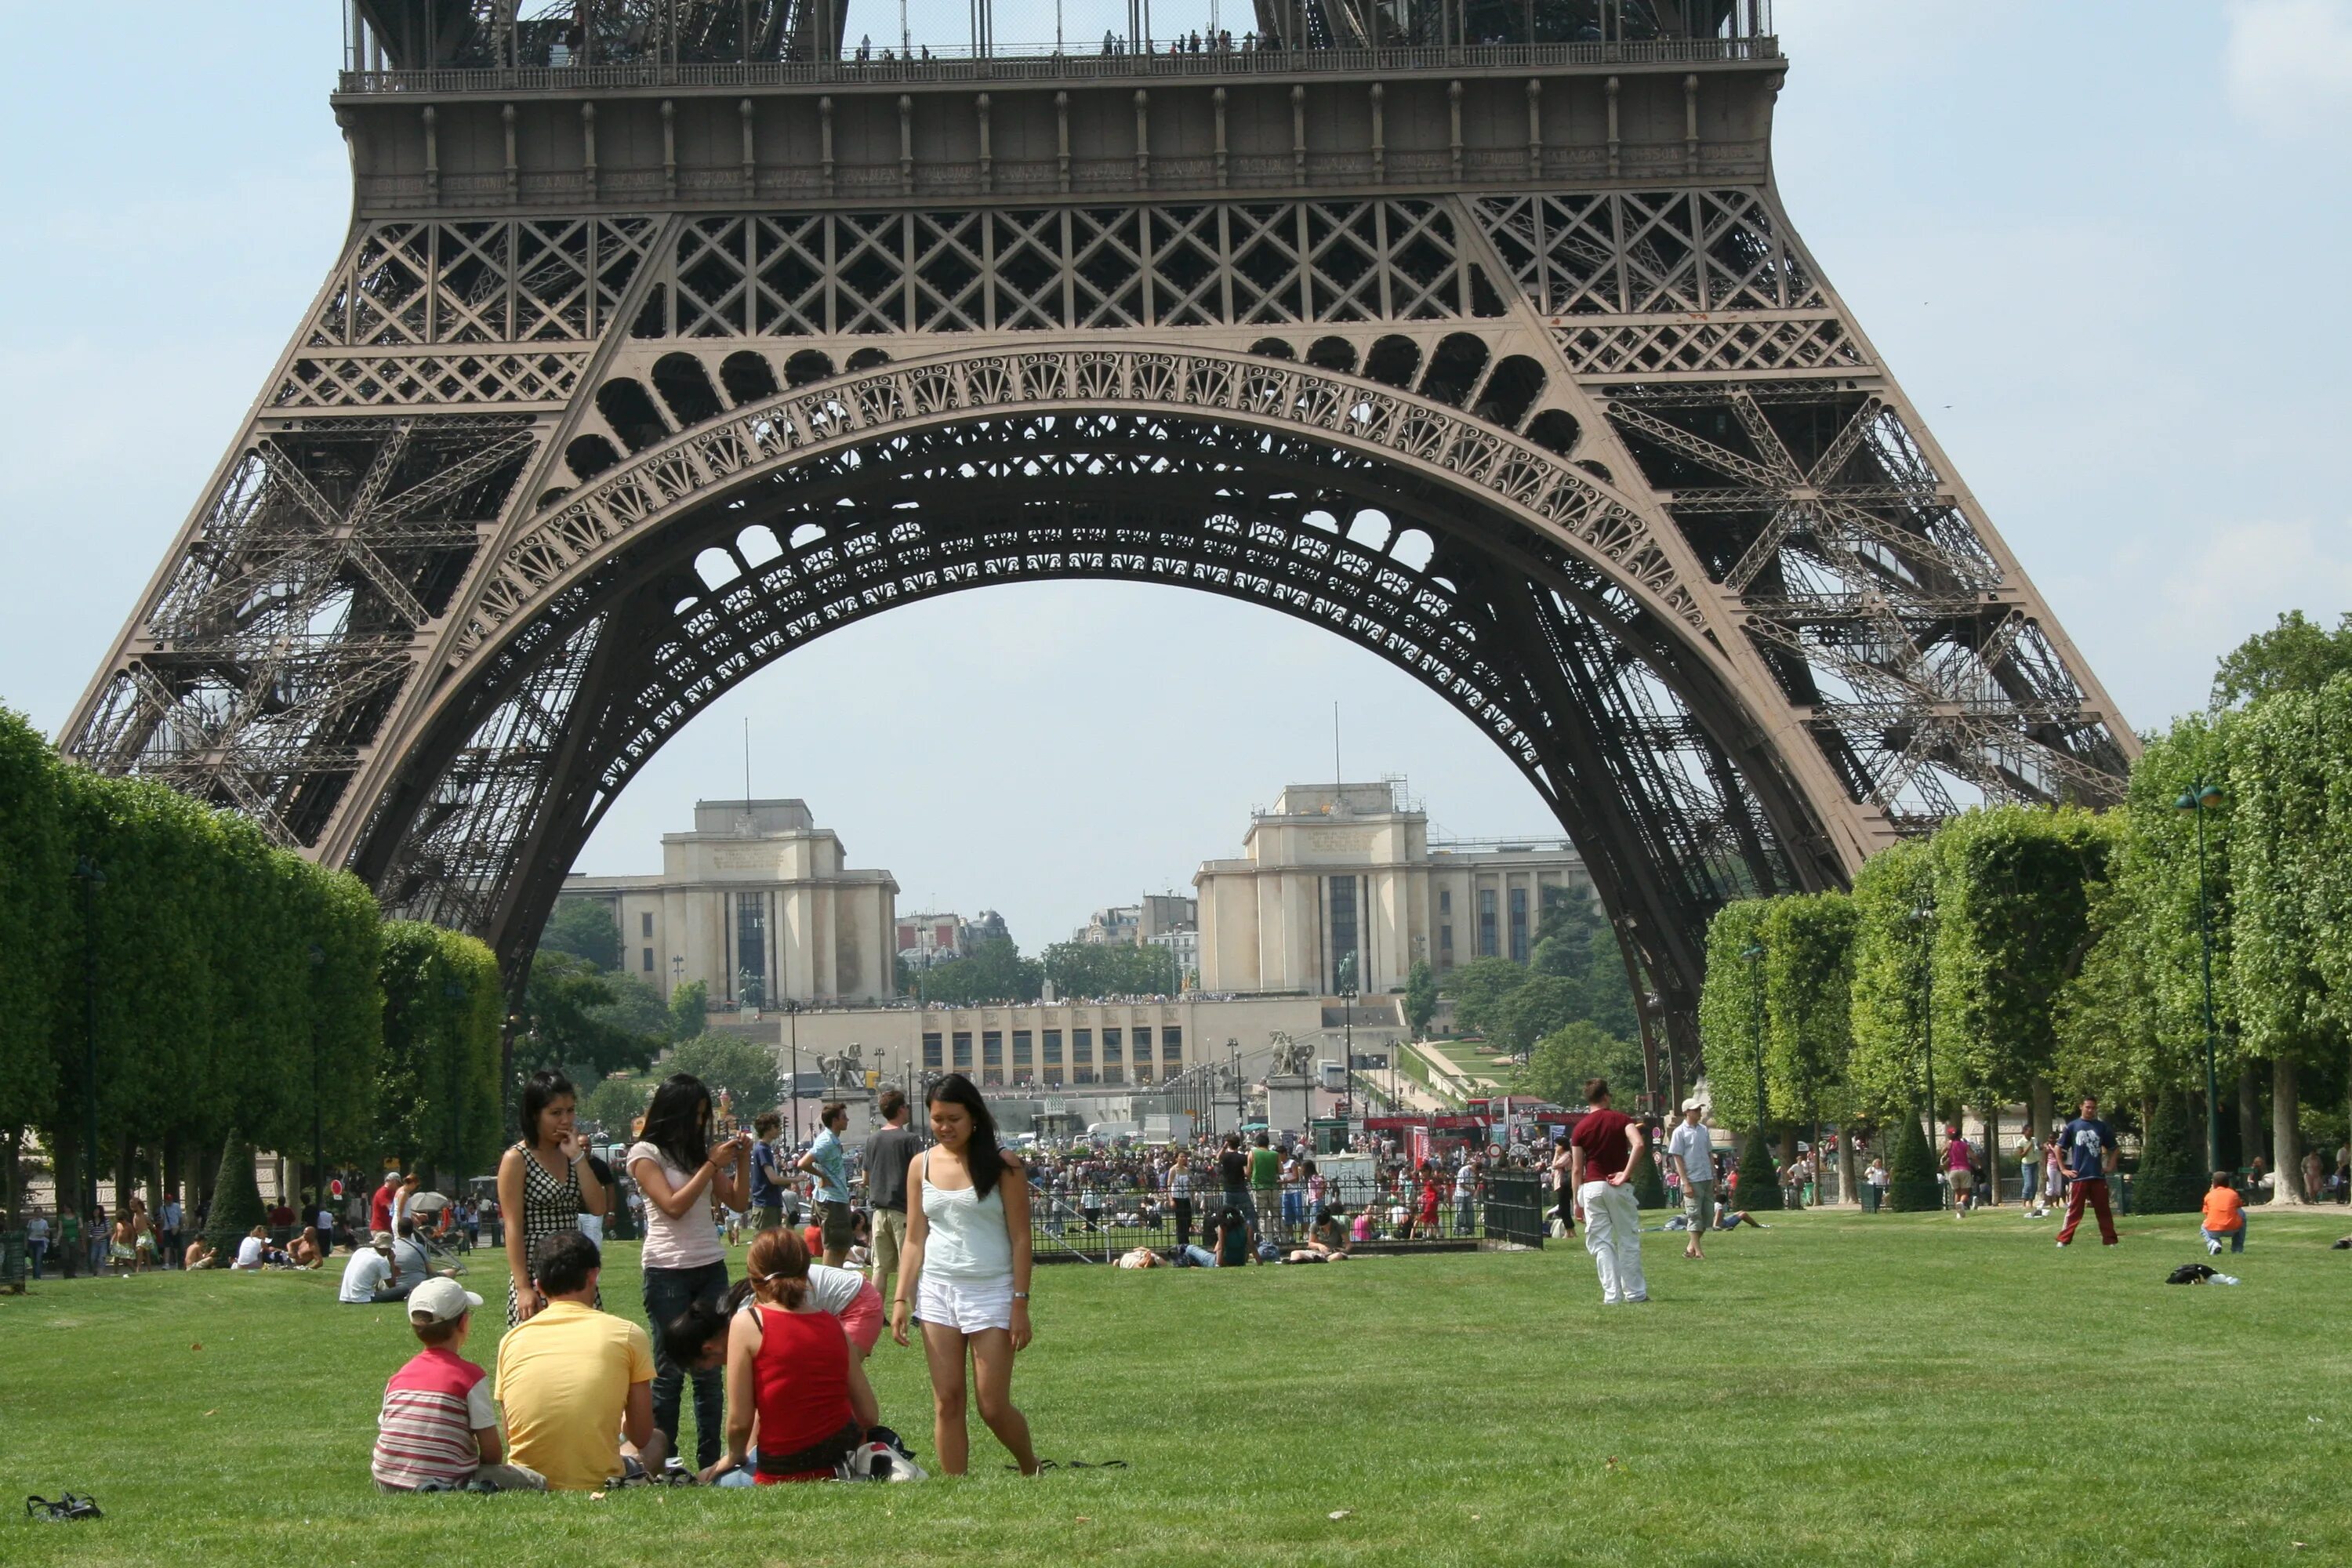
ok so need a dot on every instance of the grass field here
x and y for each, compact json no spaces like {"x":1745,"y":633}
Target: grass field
{"x":1838,"y":1389}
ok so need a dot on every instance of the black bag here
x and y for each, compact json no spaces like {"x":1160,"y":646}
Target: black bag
{"x":2189,"y":1274}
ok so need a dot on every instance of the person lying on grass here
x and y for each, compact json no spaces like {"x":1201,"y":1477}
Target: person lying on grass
{"x":791,"y":1380}
{"x":571,"y":1378}
{"x":438,"y":1430}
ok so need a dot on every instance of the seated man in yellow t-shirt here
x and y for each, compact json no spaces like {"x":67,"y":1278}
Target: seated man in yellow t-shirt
{"x":572,"y":1380}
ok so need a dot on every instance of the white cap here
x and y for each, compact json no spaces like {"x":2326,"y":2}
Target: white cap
{"x":1693,"y":1104}
{"x":441,"y":1300}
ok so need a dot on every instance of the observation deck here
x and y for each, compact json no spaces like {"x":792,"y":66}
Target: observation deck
{"x":533,"y":114}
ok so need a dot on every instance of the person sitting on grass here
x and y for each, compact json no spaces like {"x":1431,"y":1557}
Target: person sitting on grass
{"x":306,"y":1252}
{"x":791,"y":1378}
{"x":369,"y":1277}
{"x":1326,"y":1240}
{"x":1736,"y":1218}
{"x":696,"y":1338}
{"x":438,"y":1430}
{"x":2225,"y":1215}
{"x":201,"y":1255}
{"x":575,"y":1381}
{"x":255,"y":1253}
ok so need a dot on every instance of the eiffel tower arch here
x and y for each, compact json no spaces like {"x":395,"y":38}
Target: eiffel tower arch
{"x":662,"y":346}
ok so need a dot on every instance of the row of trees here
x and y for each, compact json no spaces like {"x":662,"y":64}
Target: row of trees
{"x":995,"y":970}
{"x":2027,"y":955}
{"x":181,"y":986}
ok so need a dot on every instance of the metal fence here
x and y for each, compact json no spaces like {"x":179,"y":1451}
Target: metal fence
{"x":1513,"y":1207}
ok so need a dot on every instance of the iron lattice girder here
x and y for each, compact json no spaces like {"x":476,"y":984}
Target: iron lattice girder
{"x":1689,"y":561}
{"x":1049,"y":498}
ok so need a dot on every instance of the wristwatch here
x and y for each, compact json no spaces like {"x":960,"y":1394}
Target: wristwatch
{"x":1020,"y":1295}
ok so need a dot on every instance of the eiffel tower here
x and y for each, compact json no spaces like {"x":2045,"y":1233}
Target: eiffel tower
{"x":672,"y":334}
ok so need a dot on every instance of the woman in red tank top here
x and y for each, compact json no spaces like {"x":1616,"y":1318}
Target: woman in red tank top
{"x":789,"y":1374}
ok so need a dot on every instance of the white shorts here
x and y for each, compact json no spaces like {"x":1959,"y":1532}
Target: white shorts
{"x":967,"y":1306}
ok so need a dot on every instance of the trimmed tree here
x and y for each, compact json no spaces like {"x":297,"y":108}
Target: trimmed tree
{"x":2171,"y":1178}
{"x":1911,"y":1185}
{"x":1649,"y":1189}
{"x":236,"y":1201}
{"x":1731,"y":1006}
{"x":35,"y":889}
{"x":1420,"y":998}
{"x":1760,"y":1178}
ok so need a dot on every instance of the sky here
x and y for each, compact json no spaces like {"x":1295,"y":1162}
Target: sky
{"x":2103,"y":256}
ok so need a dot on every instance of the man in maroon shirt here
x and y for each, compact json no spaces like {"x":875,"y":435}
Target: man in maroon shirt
{"x":1601,"y":1151}
{"x":380,"y":1206}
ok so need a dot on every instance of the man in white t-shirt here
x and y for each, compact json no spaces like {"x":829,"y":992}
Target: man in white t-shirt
{"x":1466,"y":1197}
{"x":369,"y":1276}
{"x":1690,"y":1149}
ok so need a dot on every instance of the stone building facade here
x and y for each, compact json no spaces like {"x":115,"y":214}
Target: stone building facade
{"x":1342,"y":869}
{"x":758,"y":903}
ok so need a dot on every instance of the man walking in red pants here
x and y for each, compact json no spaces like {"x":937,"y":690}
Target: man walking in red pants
{"x":2090,"y":1147}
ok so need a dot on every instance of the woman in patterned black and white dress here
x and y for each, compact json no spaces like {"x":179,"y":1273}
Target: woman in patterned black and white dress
{"x":545,"y":1183}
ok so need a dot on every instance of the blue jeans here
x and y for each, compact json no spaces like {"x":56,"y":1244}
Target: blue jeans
{"x":1294,"y":1208}
{"x":2026,"y":1178}
{"x":2236,"y":1238}
{"x":1200,"y":1257}
{"x":668,"y":1292}
{"x":36,"y":1250}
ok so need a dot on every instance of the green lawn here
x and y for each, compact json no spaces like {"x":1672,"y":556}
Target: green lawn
{"x":1838,"y":1389}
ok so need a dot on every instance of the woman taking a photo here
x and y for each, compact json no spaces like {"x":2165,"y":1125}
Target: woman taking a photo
{"x":965,"y":1269}
{"x":681,"y":1174}
{"x":544,"y":1184}
{"x":790,"y":1365}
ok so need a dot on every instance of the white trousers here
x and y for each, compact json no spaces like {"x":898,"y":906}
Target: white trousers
{"x":1612,"y":1233}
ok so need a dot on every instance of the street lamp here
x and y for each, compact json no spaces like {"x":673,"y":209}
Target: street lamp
{"x":1233,"y":1049}
{"x":1348,"y":1029}
{"x":2199,"y":798}
{"x":1923,"y":916}
{"x":792,"y":1007}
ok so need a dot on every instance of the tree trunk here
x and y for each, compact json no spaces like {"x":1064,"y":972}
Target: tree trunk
{"x":10,"y":1203}
{"x":2045,"y":1105}
{"x":1849,"y":1174}
{"x":1992,"y":1149}
{"x":2249,"y":1115}
{"x":2286,"y":1145}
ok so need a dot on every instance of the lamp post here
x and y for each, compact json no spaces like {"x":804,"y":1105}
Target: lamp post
{"x":86,"y":871}
{"x":2199,"y":798}
{"x":792,"y":1007}
{"x":1233,"y":1049}
{"x":1754,"y":953}
{"x":1347,"y":1032}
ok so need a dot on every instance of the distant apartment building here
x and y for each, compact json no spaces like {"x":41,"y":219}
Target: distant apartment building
{"x":758,"y":903}
{"x":1348,"y":869}
{"x":1132,"y":925}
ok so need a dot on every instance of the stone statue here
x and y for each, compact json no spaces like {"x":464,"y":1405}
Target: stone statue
{"x":1290,"y":1056}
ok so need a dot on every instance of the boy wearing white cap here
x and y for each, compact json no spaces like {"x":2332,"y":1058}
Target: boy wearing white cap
{"x":439,"y":1430}
{"x":1691,"y":1149}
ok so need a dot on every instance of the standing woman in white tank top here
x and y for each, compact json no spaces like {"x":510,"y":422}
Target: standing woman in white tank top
{"x":965,"y":1270}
